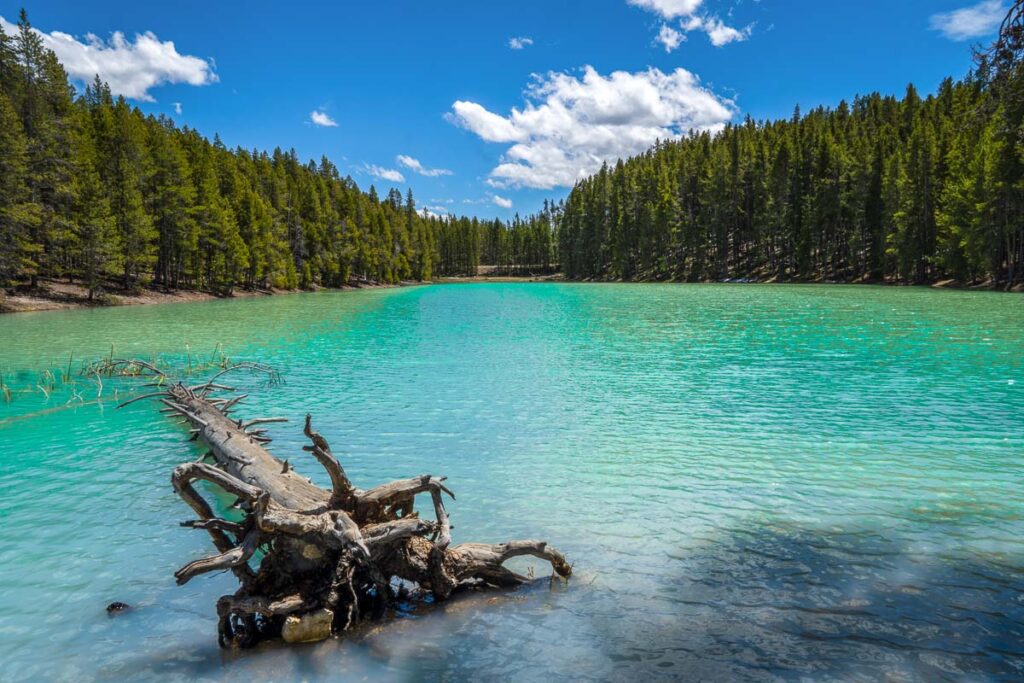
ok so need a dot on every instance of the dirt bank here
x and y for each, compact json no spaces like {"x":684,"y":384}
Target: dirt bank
{"x":53,"y":295}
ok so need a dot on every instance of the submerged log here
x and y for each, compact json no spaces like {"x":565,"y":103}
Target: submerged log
{"x":330,"y":558}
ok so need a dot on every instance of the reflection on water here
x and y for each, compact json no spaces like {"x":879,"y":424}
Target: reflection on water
{"x":755,"y":483}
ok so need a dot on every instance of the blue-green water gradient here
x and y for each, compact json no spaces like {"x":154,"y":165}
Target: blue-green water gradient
{"x":755,"y":482}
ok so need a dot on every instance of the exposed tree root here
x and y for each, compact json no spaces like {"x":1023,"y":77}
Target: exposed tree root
{"x":329,"y":557}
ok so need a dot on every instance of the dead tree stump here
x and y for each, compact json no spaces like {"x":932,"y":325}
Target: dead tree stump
{"x":329,"y":557}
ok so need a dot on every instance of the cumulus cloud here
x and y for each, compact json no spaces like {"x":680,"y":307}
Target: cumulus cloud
{"x":177,"y":108}
{"x":131,"y":68}
{"x":718,"y":32}
{"x":669,"y":9}
{"x":489,"y":126}
{"x":415,"y":166}
{"x":520,"y":42}
{"x":390,"y":174}
{"x":320,"y":118}
{"x":570,"y":126}
{"x":669,"y":37}
{"x":970,"y":22}
{"x":501,"y":201}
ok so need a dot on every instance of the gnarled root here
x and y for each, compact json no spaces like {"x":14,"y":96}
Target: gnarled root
{"x":329,"y":557}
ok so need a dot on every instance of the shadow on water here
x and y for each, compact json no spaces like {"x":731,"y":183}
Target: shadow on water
{"x":770,"y":604}
{"x":418,"y":642}
{"x":788,"y":604}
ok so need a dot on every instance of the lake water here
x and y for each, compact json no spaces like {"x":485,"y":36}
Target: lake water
{"x":754,"y":482}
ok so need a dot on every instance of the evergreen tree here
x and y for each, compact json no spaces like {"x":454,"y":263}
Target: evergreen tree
{"x":127,"y":172}
{"x":97,"y":243}
{"x":909,"y":189}
{"x":45,"y":107}
{"x":16,"y":213}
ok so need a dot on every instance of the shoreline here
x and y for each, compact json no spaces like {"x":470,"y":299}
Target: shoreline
{"x":469,"y":279}
{"x":558,"y":277}
{"x":61,"y":295}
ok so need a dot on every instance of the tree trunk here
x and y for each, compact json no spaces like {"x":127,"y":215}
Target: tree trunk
{"x":330,"y":556}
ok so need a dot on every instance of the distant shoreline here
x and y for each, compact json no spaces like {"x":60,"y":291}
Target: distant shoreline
{"x":558,"y":277}
{"x":454,"y":280}
{"x":59,"y":295}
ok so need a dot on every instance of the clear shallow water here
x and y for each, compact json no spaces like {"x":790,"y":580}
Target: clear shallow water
{"x":755,"y":482}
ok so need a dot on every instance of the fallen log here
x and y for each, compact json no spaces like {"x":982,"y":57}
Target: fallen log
{"x":330,"y":558}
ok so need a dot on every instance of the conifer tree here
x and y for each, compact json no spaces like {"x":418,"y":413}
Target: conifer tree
{"x":910,"y":189}
{"x":45,"y":99}
{"x":16,"y":213}
{"x":97,"y":242}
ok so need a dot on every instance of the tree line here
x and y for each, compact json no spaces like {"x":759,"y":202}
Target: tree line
{"x":522,"y":246}
{"x":92,"y":189}
{"x":904,"y":189}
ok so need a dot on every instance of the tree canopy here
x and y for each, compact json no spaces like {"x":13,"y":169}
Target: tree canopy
{"x":913,"y":189}
{"x":91,"y":188}
{"x":905,"y":189}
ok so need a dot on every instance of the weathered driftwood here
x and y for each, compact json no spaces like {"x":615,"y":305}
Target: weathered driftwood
{"x":330,"y":557}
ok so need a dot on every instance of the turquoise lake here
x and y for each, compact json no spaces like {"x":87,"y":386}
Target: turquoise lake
{"x":755,"y":482}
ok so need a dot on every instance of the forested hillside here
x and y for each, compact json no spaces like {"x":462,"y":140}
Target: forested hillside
{"x":92,"y":189}
{"x":912,"y":190}
{"x":904,"y":189}
{"x":519,"y":247}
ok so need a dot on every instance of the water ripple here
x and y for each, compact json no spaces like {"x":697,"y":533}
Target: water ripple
{"x":756,"y":483}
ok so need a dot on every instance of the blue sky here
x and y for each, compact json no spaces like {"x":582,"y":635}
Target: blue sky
{"x":493,"y":99}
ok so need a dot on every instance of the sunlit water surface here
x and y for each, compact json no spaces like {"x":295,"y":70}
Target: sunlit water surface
{"x":754,"y":482}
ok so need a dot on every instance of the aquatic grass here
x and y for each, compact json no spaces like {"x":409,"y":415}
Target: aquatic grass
{"x":58,"y":381}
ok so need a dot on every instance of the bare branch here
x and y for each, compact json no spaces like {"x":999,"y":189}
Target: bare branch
{"x":216,"y":523}
{"x":342,"y":491}
{"x":261,"y":421}
{"x":140,"y":398}
{"x":226,"y":560}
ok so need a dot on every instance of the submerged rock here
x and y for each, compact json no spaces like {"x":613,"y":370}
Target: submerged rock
{"x":117,"y":607}
{"x":308,"y":628}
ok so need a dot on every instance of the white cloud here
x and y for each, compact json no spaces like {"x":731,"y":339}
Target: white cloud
{"x":177,"y":108}
{"x":970,"y":22}
{"x":570,"y":126}
{"x":669,"y":37}
{"x":501,"y":201}
{"x":719,"y":33}
{"x":520,"y":42}
{"x":415,"y":166}
{"x":669,"y":9}
{"x":321,"y":118}
{"x":129,"y":68}
{"x":686,"y":11}
{"x":385,"y":173}
{"x":489,"y":126}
